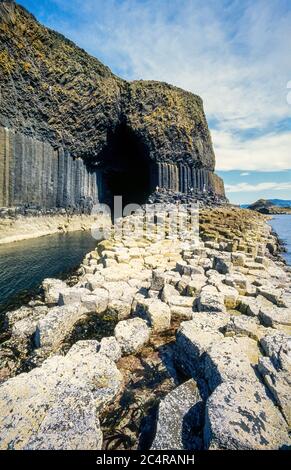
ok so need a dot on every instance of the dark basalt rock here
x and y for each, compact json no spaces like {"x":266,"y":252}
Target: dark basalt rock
{"x":64,"y":117}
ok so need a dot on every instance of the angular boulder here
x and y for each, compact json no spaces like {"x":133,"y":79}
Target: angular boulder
{"x":194,"y":337}
{"x":56,"y":406}
{"x":210,"y":300}
{"x":72,"y":295}
{"x":180,"y":419}
{"x":226,"y":361}
{"x":56,"y":325}
{"x":159,"y":315}
{"x":240,"y":416}
{"x":132,"y":335}
{"x":52,"y":289}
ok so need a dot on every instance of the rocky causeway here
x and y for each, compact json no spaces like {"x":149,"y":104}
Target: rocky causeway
{"x":197,"y":355}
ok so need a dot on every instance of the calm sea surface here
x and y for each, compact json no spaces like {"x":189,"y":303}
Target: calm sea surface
{"x":24,"y":265}
{"x":282,"y":226}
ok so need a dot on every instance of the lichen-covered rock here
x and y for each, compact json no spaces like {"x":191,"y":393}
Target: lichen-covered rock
{"x":72,"y":295}
{"x":56,"y":325}
{"x":225,"y":361}
{"x":180,"y":418}
{"x":277,"y":346}
{"x":70,"y":423}
{"x":237,"y":280}
{"x":273,"y":316}
{"x":94,"y":302}
{"x":194,"y":337}
{"x":52,"y":290}
{"x":243,"y":326}
{"x":249,"y":306}
{"x":240,"y":416}
{"x":132,"y":334}
{"x":22,"y":322}
{"x":230,"y":295}
{"x":158,"y":314}
{"x":222,"y":264}
{"x":56,"y":406}
{"x":158,"y":280}
{"x":278,"y":383}
{"x":110,"y":347}
{"x":210,"y":300}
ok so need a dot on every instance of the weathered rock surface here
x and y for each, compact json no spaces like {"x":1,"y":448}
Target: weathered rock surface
{"x":52,"y":289}
{"x":239,"y":415}
{"x":210,"y":300}
{"x":132,"y":335}
{"x":195,"y":337}
{"x":56,"y":325}
{"x":237,"y":348}
{"x":56,"y":406}
{"x":225,"y":361}
{"x":159,"y":315}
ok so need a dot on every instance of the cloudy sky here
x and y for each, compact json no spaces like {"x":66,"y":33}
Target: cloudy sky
{"x":234,"y":53}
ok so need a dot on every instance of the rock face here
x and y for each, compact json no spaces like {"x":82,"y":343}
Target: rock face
{"x":56,"y":406}
{"x":63,"y":113}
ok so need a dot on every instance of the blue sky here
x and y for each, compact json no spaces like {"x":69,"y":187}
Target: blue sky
{"x":234,"y":53}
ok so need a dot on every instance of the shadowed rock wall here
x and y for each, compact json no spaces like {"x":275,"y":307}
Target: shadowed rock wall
{"x":181,"y":178}
{"x":33,"y":173}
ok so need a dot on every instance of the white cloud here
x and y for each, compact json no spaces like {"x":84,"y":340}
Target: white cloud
{"x":236,"y":55}
{"x":246,"y":187}
{"x":271,"y":152}
{"x":244,"y":174}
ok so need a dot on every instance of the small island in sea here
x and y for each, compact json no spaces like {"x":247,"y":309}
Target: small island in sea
{"x":271,"y":206}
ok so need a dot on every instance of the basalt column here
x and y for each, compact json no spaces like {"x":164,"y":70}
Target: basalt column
{"x":5,"y":156}
{"x":183,"y":178}
{"x":34,"y":174}
{"x":167,"y":176}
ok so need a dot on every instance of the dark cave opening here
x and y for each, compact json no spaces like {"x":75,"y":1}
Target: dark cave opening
{"x":126,"y":168}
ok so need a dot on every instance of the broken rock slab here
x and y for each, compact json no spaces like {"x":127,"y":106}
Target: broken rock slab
{"x":210,"y":300}
{"x":240,"y":416}
{"x":95,"y":302}
{"x":194,"y":337}
{"x":132,"y":335}
{"x":277,"y":346}
{"x":180,"y":419}
{"x":237,"y":280}
{"x":241,"y":325}
{"x":72,"y":295}
{"x":56,"y":325}
{"x":158,"y":315}
{"x":52,"y":289}
{"x":110,"y":347}
{"x":56,"y":406}
{"x":274,"y":316}
{"x":226,"y":361}
{"x":278,"y":383}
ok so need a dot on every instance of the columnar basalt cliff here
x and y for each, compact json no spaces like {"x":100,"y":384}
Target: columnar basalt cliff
{"x":72,"y":133}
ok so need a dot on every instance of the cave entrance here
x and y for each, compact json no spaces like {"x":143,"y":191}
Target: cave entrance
{"x":126,"y":168}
